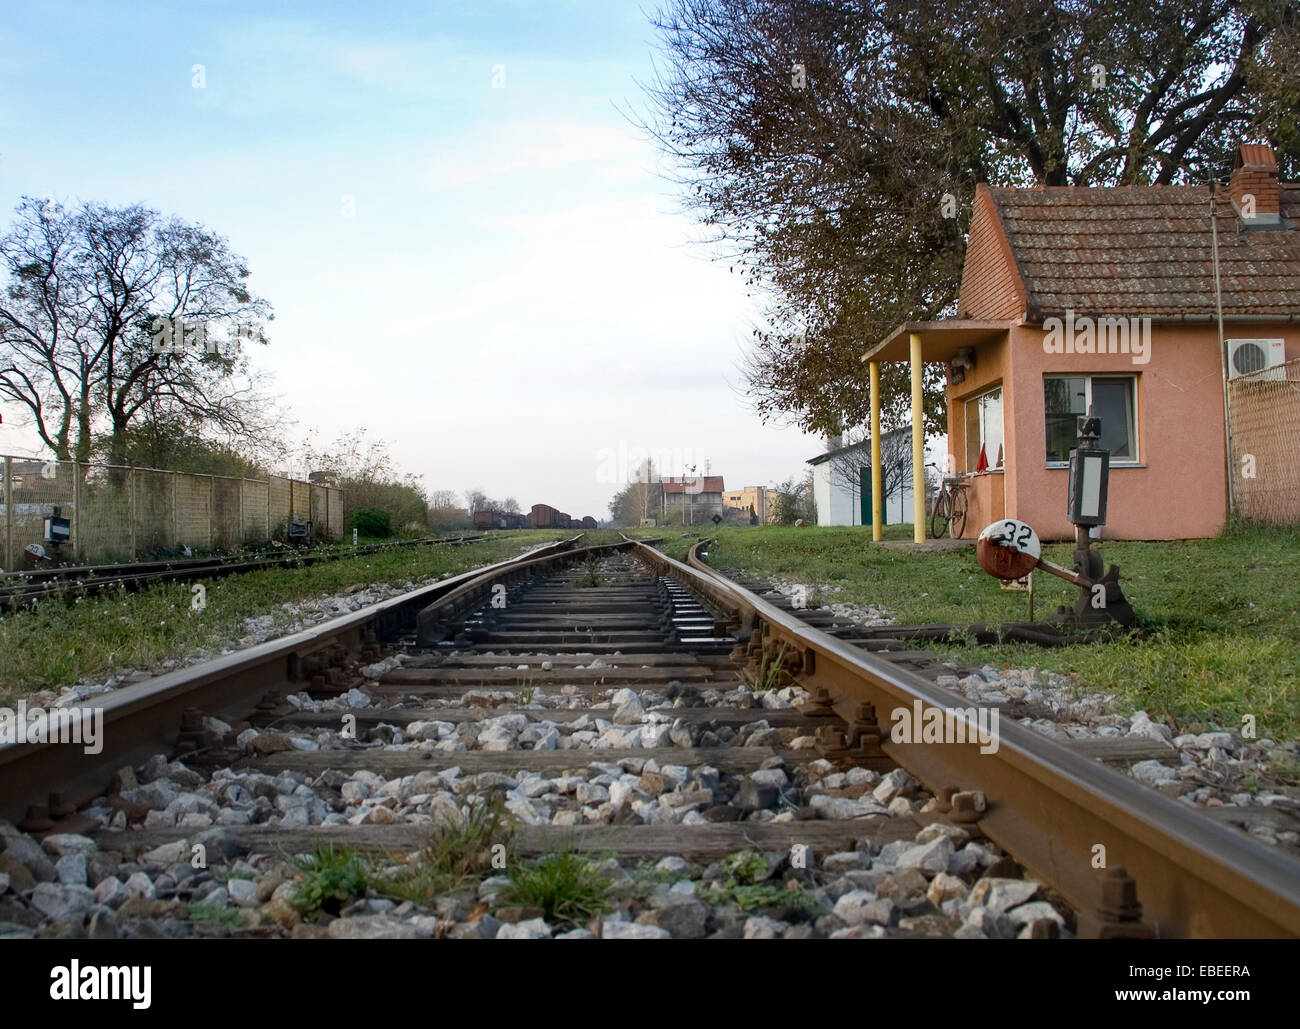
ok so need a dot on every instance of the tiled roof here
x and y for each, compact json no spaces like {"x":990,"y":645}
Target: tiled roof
{"x":696,"y":484}
{"x":1147,"y":250}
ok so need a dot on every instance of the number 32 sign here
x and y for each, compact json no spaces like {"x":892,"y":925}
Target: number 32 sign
{"x":1009,"y":549}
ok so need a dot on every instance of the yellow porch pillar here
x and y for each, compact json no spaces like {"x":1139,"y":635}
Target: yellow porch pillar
{"x":918,"y":442}
{"x":877,"y":513}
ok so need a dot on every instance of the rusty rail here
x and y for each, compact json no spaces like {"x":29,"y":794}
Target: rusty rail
{"x":1059,"y":814}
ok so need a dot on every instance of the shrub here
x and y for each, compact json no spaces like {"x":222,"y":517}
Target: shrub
{"x":370,"y":521}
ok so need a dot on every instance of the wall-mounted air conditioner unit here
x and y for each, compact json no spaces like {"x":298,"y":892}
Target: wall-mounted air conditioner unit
{"x":1256,"y":355}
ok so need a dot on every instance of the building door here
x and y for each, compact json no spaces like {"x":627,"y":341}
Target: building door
{"x":864,"y":491}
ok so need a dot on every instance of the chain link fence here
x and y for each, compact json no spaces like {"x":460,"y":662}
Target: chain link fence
{"x":1264,"y":407}
{"x":124,"y":514}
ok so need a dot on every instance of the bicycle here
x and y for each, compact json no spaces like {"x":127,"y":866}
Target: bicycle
{"x":948,"y":515}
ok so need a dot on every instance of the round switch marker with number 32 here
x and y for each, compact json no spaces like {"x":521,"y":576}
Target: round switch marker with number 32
{"x":1009,"y":549}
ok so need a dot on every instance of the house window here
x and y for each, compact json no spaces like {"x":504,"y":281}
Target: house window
{"x":1112,"y":398}
{"x":984,"y":430}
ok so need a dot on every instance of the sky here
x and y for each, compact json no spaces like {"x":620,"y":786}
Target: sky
{"x":471,"y":249}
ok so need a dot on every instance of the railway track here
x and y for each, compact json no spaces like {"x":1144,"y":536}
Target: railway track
{"x":21,"y":589}
{"x":695,"y":759}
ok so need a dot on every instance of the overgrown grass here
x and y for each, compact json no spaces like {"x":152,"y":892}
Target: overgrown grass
{"x":1220,"y":617}
{"x":566,"y":886}
{"x":57,"y":643}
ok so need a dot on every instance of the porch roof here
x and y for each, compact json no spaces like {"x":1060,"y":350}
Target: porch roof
{"x":940,"y":340}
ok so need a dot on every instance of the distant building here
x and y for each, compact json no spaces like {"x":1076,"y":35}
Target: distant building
{"x":694,"y":498}
{"x":842,"y":481}
{"x":751,"y":498}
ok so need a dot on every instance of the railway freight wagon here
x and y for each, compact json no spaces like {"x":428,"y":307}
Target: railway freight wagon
{"x":588,"y":522}
{"x":543,"y":516}
{"x":499,"y":520}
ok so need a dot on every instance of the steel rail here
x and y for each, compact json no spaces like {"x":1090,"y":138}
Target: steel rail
{"x":1066,"y":818}
{"x":142,"y":719}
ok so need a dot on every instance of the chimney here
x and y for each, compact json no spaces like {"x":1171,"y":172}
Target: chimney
{"x":1253,"y":186}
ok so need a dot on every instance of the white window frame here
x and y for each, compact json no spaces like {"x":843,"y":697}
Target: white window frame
{"x":975,"y":399}
{"x":1121,"y":462}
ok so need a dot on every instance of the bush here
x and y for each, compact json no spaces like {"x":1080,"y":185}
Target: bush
{"x":370,"y":521}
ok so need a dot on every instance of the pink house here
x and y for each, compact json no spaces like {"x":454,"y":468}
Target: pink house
{"x":1078,"y":297}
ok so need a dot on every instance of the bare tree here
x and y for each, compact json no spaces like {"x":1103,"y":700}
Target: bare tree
{"x":369,"y":477}
{"x":849,"y":468}
{"x":640,"y":499}
{"x":90,"y":293}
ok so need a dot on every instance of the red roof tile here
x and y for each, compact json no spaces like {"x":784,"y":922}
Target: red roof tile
{"x":1147,"y":250}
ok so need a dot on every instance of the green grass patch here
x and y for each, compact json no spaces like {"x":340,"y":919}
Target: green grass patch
{"x":331,"y":879}
{"x":1220,"y":617}
{"x":215,"y":914}
{"x":58,"y":643}
{"x":566,"y":886}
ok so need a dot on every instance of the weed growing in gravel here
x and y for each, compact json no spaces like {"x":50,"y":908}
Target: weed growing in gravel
{"x":330,"y":879}
{"x":527,"y":689}
{"x":590,"y":577}
{"x":769,"y":674}
{"x":646,"y":872}
{"x":566,"y":886}
{"x":228,"y":917}
{"x":745,"y":887}
{"x":456,"y":854}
